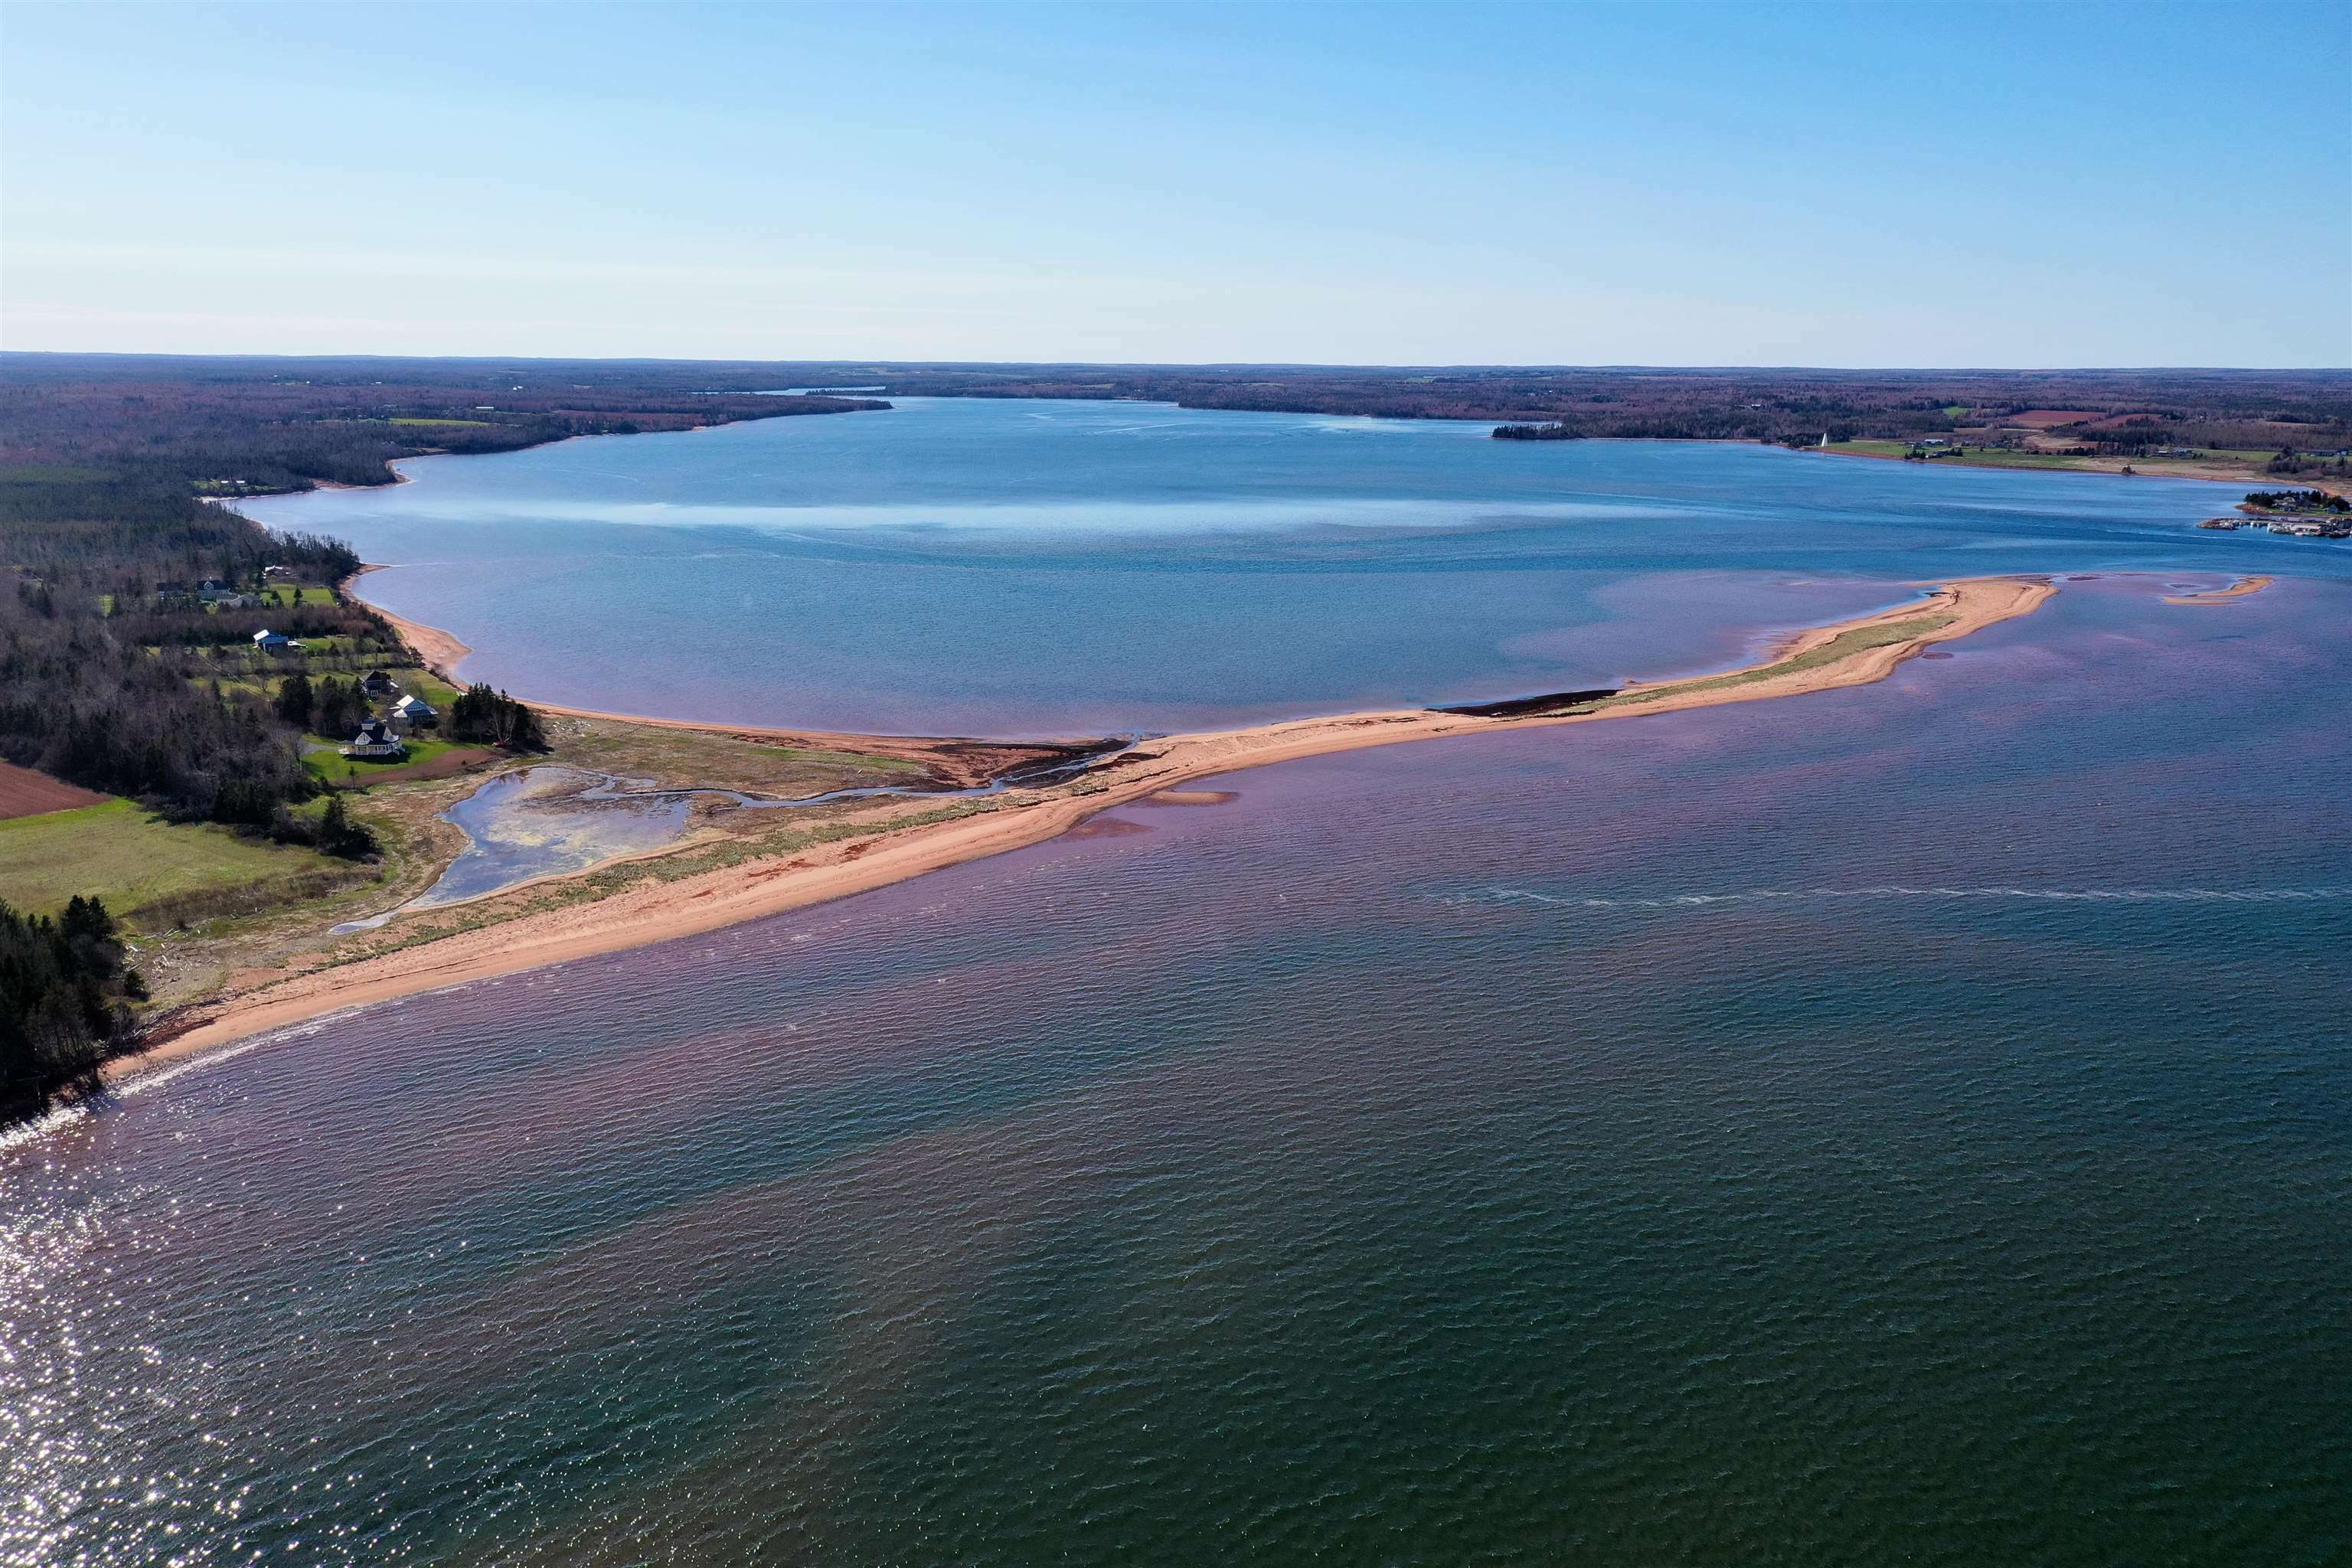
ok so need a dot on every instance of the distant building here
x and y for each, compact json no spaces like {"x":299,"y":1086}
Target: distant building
{"x":379,"y":684}
{"x":268,"y":641}
{"x":415,"y":711}
{"x":375,"y":739}
{"x":278,"y":571}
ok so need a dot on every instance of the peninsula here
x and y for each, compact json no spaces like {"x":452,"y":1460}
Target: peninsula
{"x":895,"y":843}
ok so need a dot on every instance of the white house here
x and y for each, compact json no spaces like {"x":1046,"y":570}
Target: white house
{"x":375,"y":739}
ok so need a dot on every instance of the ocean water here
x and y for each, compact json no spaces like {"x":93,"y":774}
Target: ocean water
{"x":1904,"y":1124}
{"x":1030,"y":568}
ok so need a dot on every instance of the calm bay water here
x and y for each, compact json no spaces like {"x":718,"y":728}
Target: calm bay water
{"x":1000,"y":567}
{"x":1911,"y":1123}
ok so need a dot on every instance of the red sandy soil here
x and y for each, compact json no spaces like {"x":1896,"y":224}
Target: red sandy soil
{"x":24,"y":793}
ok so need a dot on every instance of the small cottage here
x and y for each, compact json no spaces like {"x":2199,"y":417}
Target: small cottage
{"x":379,"y":684}
{"x":375,"y":739}
{"x":415,"y":712}
{"x":267,"y":641}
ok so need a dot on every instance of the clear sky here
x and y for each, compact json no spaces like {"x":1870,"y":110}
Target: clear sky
{"x":1979,"y":185}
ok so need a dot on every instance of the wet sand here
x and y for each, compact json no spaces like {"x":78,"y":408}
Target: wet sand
{"x":663,"y":911}
{"x":2237,"y":590}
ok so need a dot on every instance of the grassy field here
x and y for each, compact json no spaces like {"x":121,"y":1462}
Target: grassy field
{"x":131,"y":860}
{"x":679,"y":758}
{"x":1977,"y":456}
{"x":841,"y":759}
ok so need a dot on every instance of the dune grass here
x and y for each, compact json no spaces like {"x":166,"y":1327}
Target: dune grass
{"x":1845,"y":645}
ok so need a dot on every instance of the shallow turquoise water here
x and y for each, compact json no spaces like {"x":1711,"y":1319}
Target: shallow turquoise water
{"x":1911,"y":1123}
{"x":1000,"y":567}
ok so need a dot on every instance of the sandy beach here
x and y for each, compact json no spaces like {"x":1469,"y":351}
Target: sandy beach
{"x":663,"y":911}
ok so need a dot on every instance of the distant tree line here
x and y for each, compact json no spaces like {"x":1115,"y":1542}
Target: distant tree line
{"x":1555,"y":431}
{"x":2297,"y":500}
{"x":2308,"y":410}
{"x":66,"y":1000}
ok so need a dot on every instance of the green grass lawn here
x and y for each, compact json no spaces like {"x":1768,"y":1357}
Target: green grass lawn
{"x":120,"y":853}
{"x":331,"y":767}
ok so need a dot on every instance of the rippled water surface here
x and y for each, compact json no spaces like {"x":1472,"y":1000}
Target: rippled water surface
{"x":1911,"y":1123}
{"x":992,"y":566}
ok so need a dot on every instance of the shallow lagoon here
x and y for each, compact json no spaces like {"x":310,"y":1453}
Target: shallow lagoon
{"x":1002,"y":567}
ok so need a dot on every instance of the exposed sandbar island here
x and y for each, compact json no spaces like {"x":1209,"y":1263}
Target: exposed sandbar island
{"x":909,"y":840}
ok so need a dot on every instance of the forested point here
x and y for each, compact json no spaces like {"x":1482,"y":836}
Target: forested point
{"x":1555,"y":431}
{"x":65,"y":1004}
{"x":482,"y":714}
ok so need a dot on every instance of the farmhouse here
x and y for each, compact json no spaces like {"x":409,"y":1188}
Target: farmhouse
{"x":375,"y":739}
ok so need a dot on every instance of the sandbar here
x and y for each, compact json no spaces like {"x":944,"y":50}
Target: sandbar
{"x":2237,"y":590}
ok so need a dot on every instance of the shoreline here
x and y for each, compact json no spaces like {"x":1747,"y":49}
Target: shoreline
{"x":2203,"y":473}
{"x":953,"y":761}
{"x":652,"y":913}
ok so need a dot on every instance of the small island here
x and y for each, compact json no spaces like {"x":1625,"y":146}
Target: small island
{"x":1556,"y":430}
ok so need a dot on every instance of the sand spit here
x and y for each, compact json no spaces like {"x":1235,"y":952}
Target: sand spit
{"x":2237,"y":590}
{"x":654,"y":912}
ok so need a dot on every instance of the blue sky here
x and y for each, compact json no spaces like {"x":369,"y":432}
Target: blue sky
{"x":1622,"y":183}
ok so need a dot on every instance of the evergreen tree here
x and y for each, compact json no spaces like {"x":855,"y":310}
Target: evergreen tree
{"x":296,"y":700}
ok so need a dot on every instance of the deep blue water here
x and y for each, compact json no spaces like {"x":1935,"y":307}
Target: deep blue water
{"x":1911,"y":1123}
{"x":1001,"y":567}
